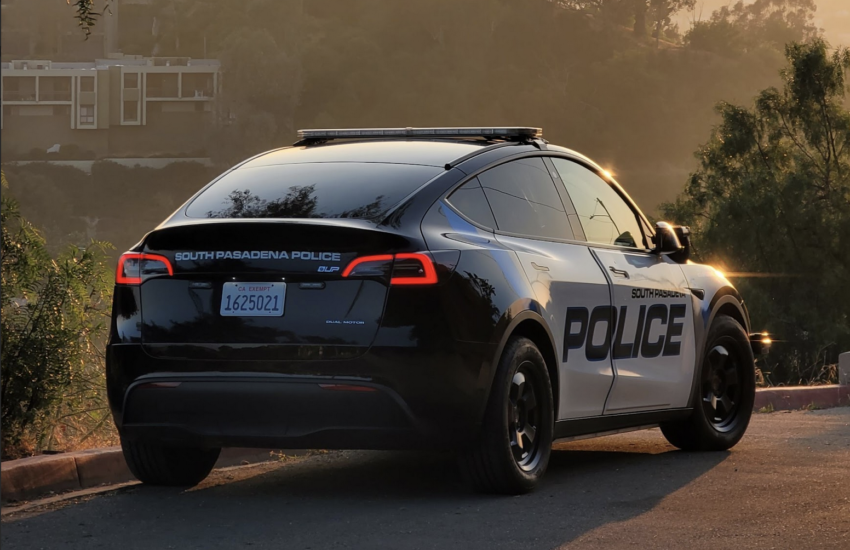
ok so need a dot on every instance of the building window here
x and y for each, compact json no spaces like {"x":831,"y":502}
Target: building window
{"x":162,"y":85}
{"x":19,"y":88}
{"x":86,"y":83}
{"x":87,"y":114}
{"x":131,"y":113}
{"x":54,"y":88}
{"x":131,"y":80}
{"x":198,"y":85}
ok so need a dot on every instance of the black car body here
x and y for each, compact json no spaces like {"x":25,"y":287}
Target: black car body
{"x":399,"y":290}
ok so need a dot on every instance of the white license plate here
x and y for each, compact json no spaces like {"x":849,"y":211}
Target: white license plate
{"x":252,"y":299}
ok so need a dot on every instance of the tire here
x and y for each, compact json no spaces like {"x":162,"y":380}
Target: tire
{"x":725,"y":392}
{"x":513,"y":447}
{"x":156,"y":464}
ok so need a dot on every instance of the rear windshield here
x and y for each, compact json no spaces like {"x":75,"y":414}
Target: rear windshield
{"x":314,"y":190}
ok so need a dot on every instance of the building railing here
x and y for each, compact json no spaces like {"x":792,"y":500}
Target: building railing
{"x":201,"y":93}
{"x":19,"y":96}
{"x":54,"y":95}
{"x":162,"y":91}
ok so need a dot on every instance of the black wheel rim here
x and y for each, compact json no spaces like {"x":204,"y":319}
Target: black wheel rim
{"x":524,"y":416}
{"x":722,"y":386}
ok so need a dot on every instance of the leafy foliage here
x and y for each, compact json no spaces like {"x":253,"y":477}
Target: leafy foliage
{"x":87,"y":14}
{"x":740,"y":28}
{"x":662,"y":10}
{"x":54,"y":317}
{"x":772,"y":198}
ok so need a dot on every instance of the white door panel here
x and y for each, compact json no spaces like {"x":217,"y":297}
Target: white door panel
{"x":653,"y":344}
{"x":567,"y":279}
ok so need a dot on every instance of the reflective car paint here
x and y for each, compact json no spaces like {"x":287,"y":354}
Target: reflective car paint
{"x":653,"y":355}
{"x":564,"y":276}
{"x":431,"y":350}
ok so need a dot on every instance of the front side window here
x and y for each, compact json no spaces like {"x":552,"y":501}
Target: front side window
{"x":525,"y":201}
{"x":605,"y":216}
{"x":470,"y":201}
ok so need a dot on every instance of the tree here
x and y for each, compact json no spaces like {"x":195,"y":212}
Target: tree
{"x":87,"y":14}
{"x":741,"y":28}
{"x":772,"y":198}
{"x":53,"y":317}
{"x":661,"y":10}
{"x":618,"y":12}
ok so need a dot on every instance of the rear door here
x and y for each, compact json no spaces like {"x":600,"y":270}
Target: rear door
{"x":652,"y":342}
{"x":531,"y":220}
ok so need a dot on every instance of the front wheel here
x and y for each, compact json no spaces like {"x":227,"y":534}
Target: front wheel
{"x":725,"y":393}
{"x":513,"y":448}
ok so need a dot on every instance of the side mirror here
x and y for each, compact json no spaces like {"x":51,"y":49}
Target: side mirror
{"x":684,"y":234}
{"x":666,"y":240}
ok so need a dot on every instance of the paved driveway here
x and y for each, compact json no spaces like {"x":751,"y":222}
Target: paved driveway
{"x":786,"y":485}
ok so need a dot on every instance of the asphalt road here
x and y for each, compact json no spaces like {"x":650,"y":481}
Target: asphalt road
{"x":786,"y":485}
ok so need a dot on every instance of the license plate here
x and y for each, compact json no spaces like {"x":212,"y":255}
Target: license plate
{"x":252,"y":299}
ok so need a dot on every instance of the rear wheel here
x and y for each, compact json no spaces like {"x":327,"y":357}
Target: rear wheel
{"x":726,"y":392}
{"x":513,"y":448}
{"x":156,"y":464}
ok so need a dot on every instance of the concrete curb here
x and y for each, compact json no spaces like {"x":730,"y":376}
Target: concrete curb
{"x":801,"y":397}
{"x":36,"y":476}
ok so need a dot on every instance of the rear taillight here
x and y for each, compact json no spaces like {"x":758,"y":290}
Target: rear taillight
{"x":413,"y":269}
{"x":407,"y":269}
{"x":133,"y":267}
{"x":368,"y":266}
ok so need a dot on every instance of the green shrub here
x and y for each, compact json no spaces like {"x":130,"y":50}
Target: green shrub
{"x":54,"y":322}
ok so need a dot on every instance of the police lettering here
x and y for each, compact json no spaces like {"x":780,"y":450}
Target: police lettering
{"x":581,"y":325}
{"x":638,"y":293}
{"x":257,"y":255}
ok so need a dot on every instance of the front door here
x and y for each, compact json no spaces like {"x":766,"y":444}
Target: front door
{"x":652,"y":344}
{"x":652,"y":333}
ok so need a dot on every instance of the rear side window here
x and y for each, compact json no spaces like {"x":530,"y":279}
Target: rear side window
{"x":470,"y":201}
{"x":311,"y":190}
{"x":525,"y":201}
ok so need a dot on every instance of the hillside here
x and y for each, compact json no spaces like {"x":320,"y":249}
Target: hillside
{"x":833,"y":16}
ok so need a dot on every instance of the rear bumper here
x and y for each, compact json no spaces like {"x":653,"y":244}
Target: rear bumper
{"x":262,"y":410}
{"x":390,"y":398}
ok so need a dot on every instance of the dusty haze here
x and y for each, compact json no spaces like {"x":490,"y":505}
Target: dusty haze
{"x":255,"y":71}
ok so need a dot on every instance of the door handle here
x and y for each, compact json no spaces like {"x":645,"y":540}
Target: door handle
{"x":620,"y":272}
{"x":539,"y":267}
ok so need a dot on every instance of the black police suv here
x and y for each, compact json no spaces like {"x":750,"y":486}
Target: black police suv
{"x":475,"y":289}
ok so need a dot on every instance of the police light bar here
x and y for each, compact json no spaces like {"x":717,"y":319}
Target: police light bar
{"x":507,"y":133}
